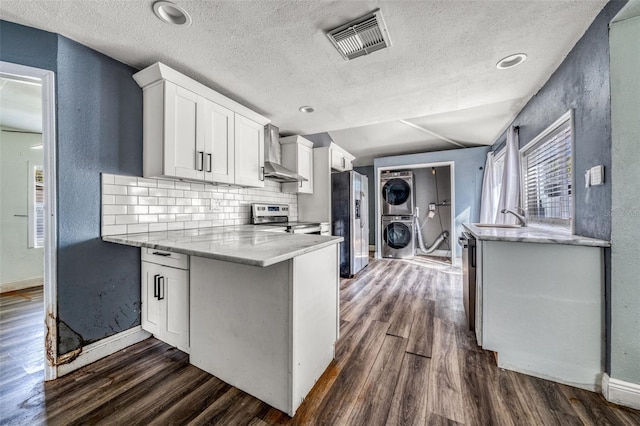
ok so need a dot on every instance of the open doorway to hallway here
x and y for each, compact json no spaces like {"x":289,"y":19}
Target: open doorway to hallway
{"x":27,"y":224}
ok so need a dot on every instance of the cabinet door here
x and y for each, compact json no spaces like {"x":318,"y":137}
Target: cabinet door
{"x":338,"y":161}
{"x":174,"y":293}
{"x":249,"y":155}
{"x":305,"y":169}
{"x":184,"y":142}
{"x":219,"y":143}
{"x":151,"y":306}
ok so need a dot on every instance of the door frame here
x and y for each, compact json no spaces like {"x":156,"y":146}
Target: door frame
{"x":50,"y":287}
{"x":454,"y":259}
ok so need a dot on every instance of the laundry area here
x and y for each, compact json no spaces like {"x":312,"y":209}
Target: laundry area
{"x":416,"y":212}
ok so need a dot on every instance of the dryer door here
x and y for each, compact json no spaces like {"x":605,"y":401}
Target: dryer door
{"x":396,"y":194}
{"x":397,"y":235}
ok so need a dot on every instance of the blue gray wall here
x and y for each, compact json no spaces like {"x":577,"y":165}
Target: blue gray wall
{"x":582,"y":83}
{"x":468,"y":172}
{"x":99,"y":129}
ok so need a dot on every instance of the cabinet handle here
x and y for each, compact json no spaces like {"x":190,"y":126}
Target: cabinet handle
{"x":161,"y":288}
{"x":156,"y":292}
{"x":200,"y":157}
{"x":157,"y":253}
{"x":300,"y":184}
{"x":344,"y":164}
{"x":209,"y":162}
{"x":262,"y":174}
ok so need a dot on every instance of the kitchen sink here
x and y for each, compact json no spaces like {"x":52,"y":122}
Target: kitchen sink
{"x":495,"y":225}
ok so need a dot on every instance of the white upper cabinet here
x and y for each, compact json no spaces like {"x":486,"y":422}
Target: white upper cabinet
{"x":341,"y":160}
{"x":249,"y":164}
{"x":297,"y":155}
{"x":219,"y":144}
{"x":192,"y":132}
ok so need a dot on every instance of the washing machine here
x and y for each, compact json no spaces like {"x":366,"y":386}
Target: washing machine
{"x":398,"y":196}
{"x":398,"y":237}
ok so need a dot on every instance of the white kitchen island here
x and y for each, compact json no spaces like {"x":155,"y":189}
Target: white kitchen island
{"x":263,"y":306}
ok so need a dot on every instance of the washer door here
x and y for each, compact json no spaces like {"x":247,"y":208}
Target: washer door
{"x":396,"y":192}
{"x":397,"y":235}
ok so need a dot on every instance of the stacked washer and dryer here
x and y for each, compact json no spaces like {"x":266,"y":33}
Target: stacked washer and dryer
{"x":398,"y":201}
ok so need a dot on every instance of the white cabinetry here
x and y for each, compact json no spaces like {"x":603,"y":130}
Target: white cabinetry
{"x":341,"y":160}
{"x":194,"y":133}
{"x":165,"y":297}
{"x":249,"y":163}
{"x":297,"y":155}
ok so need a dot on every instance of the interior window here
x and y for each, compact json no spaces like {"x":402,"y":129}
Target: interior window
{"x":36,"y":206}
{"x":547,"y":171}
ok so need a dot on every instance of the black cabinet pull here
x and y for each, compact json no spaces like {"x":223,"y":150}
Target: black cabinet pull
{"x":161,"y":288}
{"x":156,"y":292}
{"x":262,"y":174}
{"x":209,"y":162}
{"x":200,"y":156}
{"x":157,"y":253}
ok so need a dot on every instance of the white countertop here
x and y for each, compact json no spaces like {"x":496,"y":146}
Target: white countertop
{"x":246,"y":244}
{"x":534,"y":234}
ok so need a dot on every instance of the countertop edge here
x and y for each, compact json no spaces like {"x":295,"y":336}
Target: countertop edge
{"x":223,"y":257}
{"x":575,"y":240}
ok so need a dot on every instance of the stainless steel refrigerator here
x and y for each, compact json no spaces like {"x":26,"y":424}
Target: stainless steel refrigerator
{"x":349,"y":217}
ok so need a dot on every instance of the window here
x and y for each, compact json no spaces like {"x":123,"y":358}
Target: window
{"x":36,"y":206}
{"x":547,"y":171}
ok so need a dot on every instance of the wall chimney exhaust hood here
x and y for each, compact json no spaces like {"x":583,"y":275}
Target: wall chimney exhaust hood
{"x":272,"y":168}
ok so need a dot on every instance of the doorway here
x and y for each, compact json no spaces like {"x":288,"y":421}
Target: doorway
{"x":27,"y":211}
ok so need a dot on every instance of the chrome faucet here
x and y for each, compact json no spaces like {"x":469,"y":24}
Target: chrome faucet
{"x":521,"y":217}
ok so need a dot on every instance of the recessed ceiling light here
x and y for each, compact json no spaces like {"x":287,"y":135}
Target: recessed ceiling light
{"x":171,"y":13}
{"x":306,"y":109}
{"x":511,"y":61}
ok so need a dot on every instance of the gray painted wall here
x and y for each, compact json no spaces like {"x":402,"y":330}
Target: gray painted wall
{"x":625,"y":233}
{"x":99,"y":129}
{"x":582,"y":83}
{"x":468,"y":165}
{"x":368,"y":172}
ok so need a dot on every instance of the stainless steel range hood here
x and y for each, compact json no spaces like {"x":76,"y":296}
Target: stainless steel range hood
{"x":272,"y":168}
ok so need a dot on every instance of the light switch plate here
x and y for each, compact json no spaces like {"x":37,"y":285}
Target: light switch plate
{"x":597,"y":175}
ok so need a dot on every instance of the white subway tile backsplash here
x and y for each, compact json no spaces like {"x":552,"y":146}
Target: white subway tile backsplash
{"x":110,"y":210}
{"x":137,"y":209}
{"x":126,"y":180}
{"x":134,"y":229}
{"x":126,"y":199}
{"x":114,"y":189}
{"x":131,"y":204}
{"x":137,"y":190}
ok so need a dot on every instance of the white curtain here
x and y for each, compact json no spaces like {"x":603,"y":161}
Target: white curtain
{"x":490,"y":190}
{"x":510,"y":191}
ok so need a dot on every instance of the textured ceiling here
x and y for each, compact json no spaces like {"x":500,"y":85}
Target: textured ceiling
{"x":20,"y":105}
{"x":274,"y":57}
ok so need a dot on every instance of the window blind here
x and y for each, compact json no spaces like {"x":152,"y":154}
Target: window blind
{"x":38,"y":207}
{"x":548,"y":177}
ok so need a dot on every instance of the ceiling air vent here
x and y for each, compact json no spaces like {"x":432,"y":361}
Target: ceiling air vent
{"x":361,"y":36}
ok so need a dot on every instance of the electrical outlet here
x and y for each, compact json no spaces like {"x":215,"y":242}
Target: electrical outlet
{"x":215,"y":205}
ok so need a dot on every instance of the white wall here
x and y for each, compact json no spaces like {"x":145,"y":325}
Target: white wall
{"x":625,"y":233}
{"x":18,"y":262}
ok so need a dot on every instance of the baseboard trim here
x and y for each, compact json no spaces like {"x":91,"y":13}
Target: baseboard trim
{"x":621,"y":392}
{"x":102,"y":348}
{"x":21,"y":285}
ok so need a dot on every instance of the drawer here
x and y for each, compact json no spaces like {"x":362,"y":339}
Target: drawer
{"x":166,"y":258}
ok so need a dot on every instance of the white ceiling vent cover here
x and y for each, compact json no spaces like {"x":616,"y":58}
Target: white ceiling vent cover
{"x":361,"y":36}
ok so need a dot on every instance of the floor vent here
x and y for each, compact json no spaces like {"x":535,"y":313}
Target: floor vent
{"x":361,"y":36}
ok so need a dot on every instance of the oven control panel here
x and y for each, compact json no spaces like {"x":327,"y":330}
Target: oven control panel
{"x":264,"y":210}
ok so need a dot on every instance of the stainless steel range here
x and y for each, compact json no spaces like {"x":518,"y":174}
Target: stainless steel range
{"x":276,"y":216}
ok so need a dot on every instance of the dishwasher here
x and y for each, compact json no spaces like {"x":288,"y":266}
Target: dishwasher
{"x":468,"y":243}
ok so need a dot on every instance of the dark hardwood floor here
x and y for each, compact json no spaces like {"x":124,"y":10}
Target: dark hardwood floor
{"x":404,"y":357}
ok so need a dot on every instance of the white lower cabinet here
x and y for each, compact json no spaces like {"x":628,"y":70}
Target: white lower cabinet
{"x":165,"y":301}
